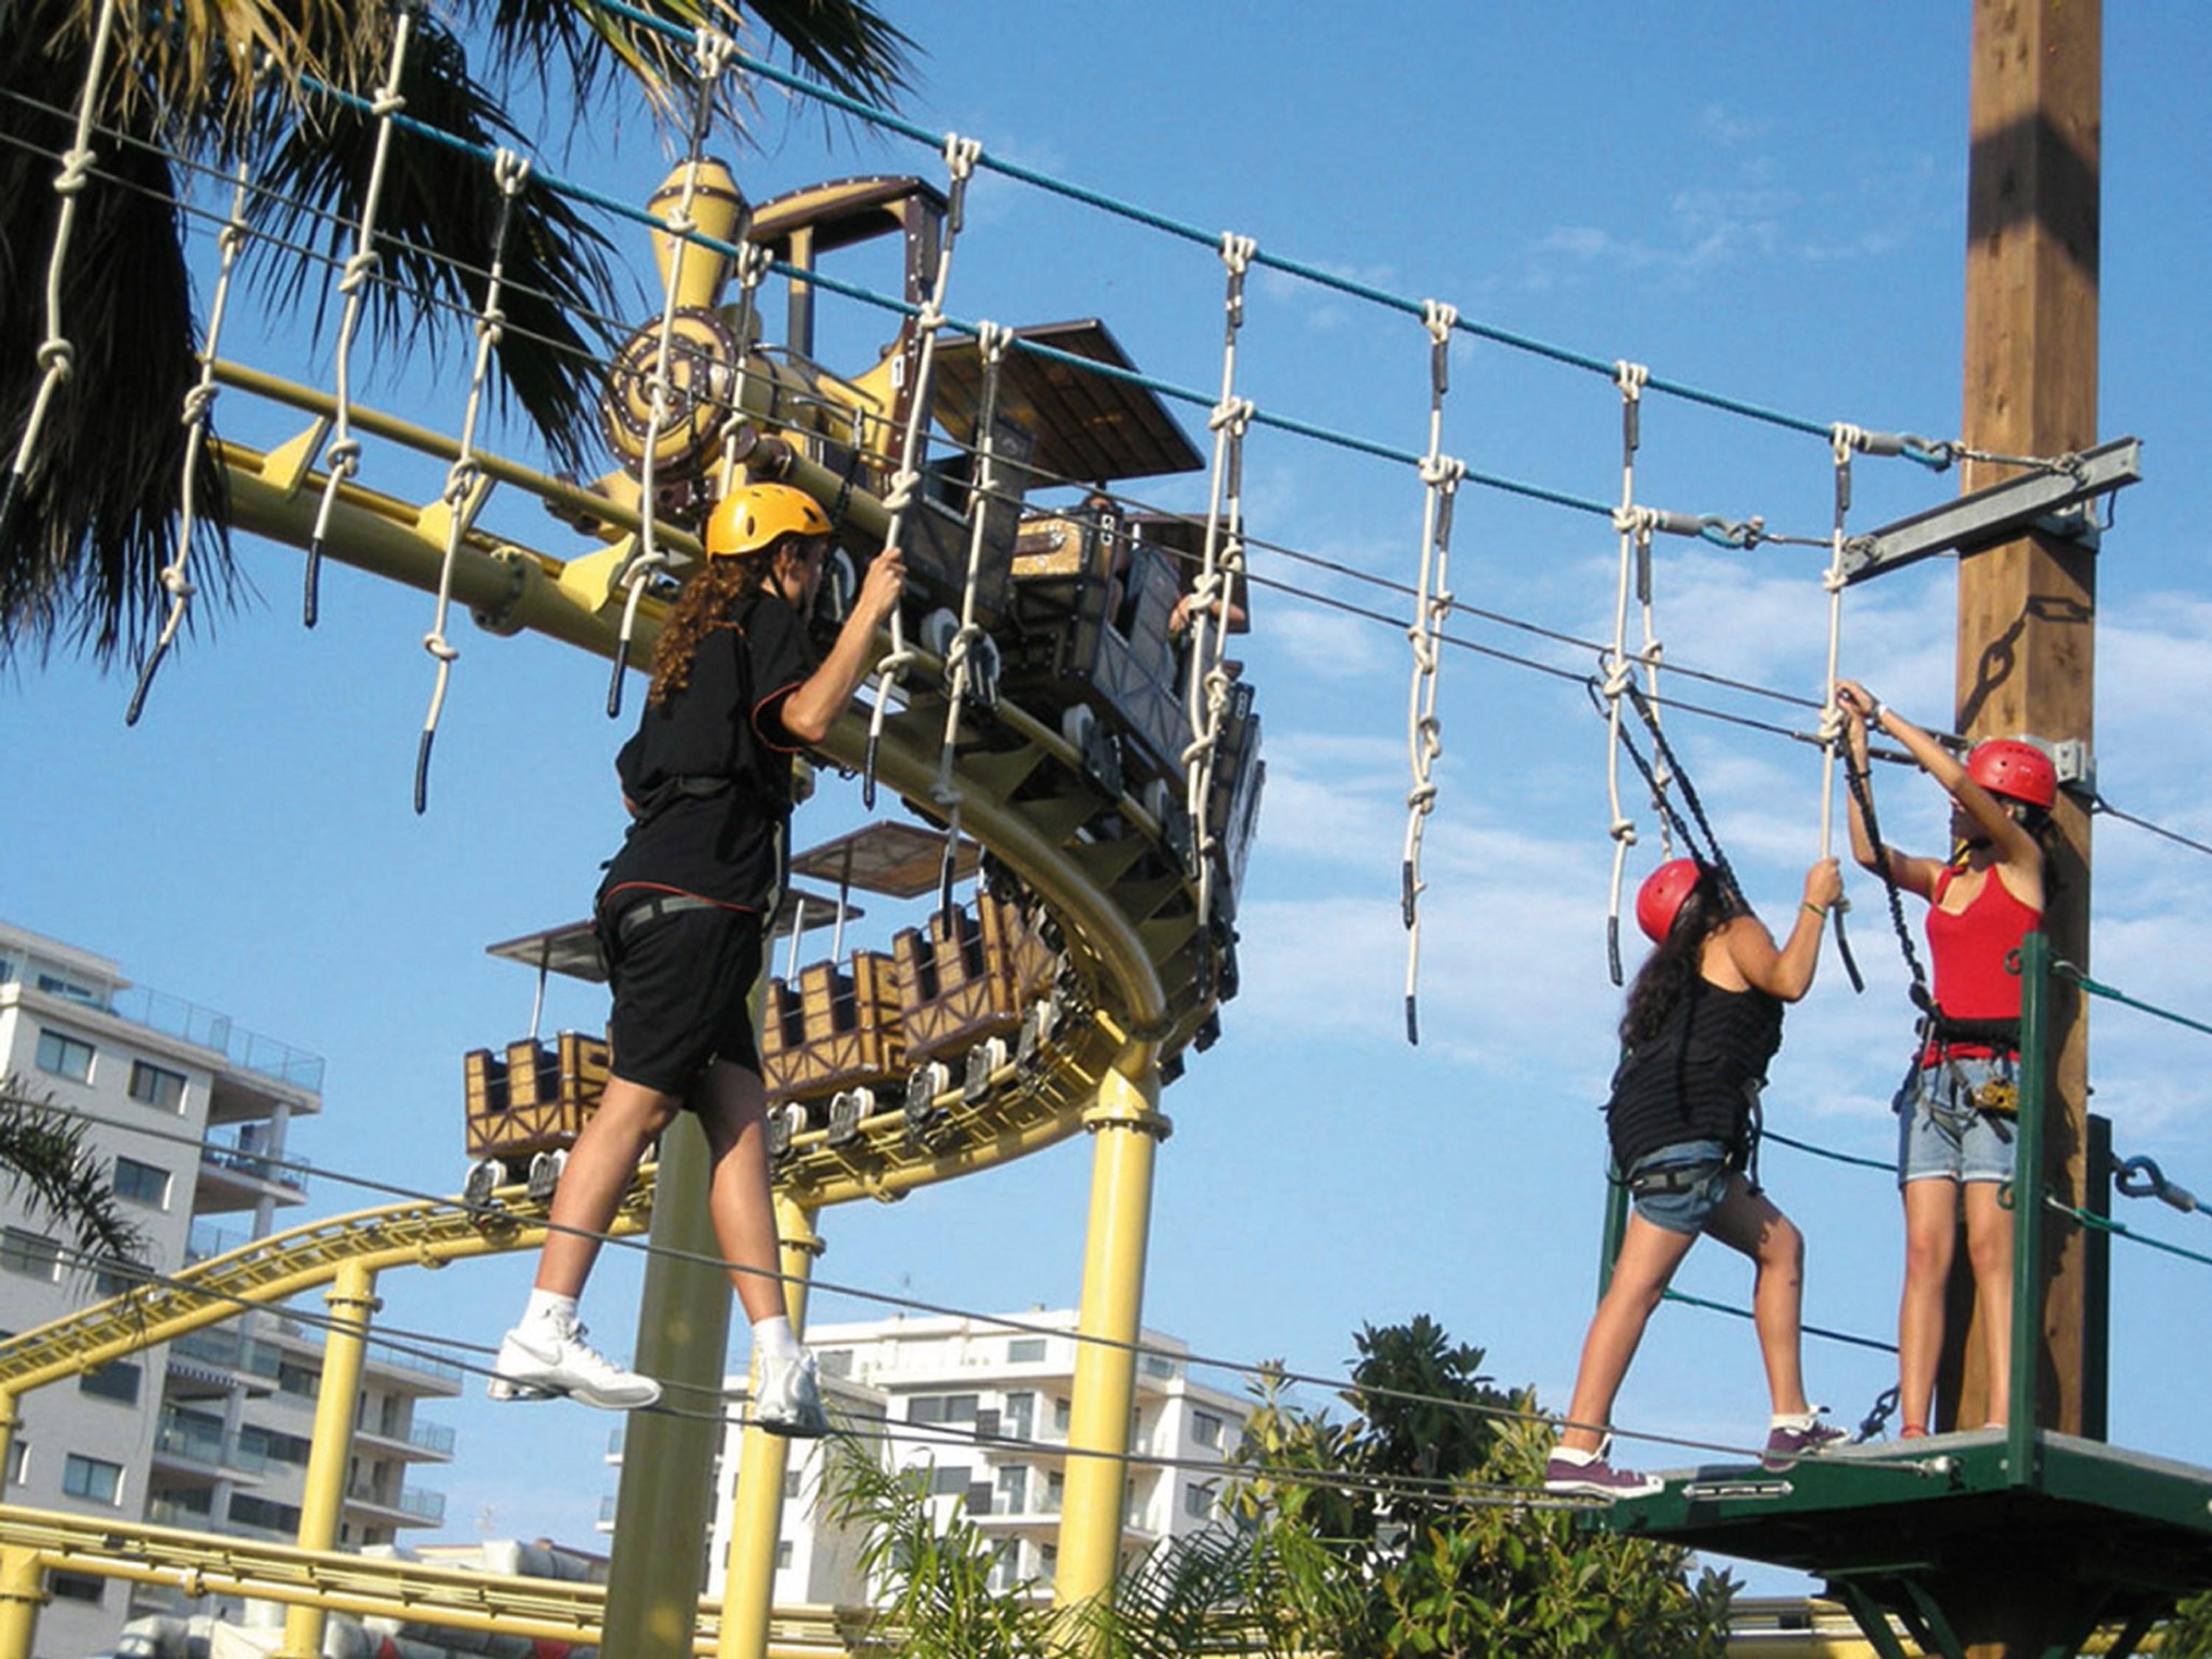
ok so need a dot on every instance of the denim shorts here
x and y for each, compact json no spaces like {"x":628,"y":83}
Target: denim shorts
{"x":1689,"y":1209}
{"x":1940,"y":1133}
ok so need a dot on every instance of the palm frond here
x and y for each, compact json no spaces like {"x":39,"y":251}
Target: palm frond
{"x":44,"y":1155}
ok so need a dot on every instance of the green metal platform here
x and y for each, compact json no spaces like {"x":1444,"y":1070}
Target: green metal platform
{"x":2083,"y":1535}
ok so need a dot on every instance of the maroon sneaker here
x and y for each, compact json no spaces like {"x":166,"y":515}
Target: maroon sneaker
{"x":1587,"y":1474}
{"x":1789,"y":1443}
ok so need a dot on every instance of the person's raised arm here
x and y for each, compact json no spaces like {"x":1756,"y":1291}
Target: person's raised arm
{"x":813,"y":708}
{"x":1861,"y":709}
{"x":1786,"y":973}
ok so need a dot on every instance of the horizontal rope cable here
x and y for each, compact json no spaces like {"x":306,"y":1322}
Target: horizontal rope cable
{"x":1671,"y":1295}
{"x":2097,"y":989}
{"x":1765,"y":1135}
{"x":2106,"y":1225}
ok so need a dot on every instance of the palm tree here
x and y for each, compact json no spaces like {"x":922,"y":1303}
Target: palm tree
{"x":194,"y":88}
{"x":44,"y":1155}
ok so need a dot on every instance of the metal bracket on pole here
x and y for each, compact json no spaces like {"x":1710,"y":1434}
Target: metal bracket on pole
{"x":2053,"y":502}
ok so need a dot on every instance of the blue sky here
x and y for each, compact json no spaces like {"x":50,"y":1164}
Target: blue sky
{"x":1766,"y":202}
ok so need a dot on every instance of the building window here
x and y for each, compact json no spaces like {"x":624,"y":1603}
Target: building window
{"x":1206,"y":1429}
{"x":77,"y":1587}
{"x":305,"y":1381}
{"x":791,"y":1483}
{"x":835,"y":1361}
{"x":64,"y":1056}
{"x":1021,"y":1415}
{"x":118,"y":1380}
{"x":19,"y":1463}
{"x":947,"y":1483}
{"x":1197,"y":1502}
{"x":157,"y":1085}
{"x":142,"y":1184}
{"x":1159,"y":1364}
{"x":1059,"y":1415}
{"x":1056,"y":1488}
{"x":32,"y":1254}
{"x":1026,"y":1350}
{"x":943,"y":1408}
{"x":1014,"y":1490}
{"x":782,"y":1554}
{"x":55,"y":986}
{"x":91,"y":1478}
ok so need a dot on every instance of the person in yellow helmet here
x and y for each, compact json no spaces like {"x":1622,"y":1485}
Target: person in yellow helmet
{"x":680,"y":917}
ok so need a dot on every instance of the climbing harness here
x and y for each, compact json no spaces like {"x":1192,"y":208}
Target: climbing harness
{"x":967,"y":646}
{"x":1635,"y":525}
{"x":1221,"y":562}
{"x":711,"y":51}
{"x":1440,"y":479}
{"x":960,"y":157}
{"x":466,"y":489}
{"x":342,"y":457}
{"x":1842,"y":440}
{"x":57,"y":356}
{"x":199,"y":403}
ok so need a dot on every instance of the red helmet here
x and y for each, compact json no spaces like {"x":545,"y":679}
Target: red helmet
{"x":2016,"y":770}
{"x":1664,"y":892}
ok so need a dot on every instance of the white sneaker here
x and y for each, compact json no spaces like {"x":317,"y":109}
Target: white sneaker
{"x":544,"y":1357}
{"x":790,"y":1399}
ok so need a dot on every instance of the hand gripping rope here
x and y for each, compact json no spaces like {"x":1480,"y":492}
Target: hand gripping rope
{"x":992,"y":342}
{"x":1220,"y":562}
{"x":198,"y":402}
{"x":56,"y":356}
{"x":1440,"y":478}
{"x":342,"y":459}
{"x":960,"y":158}
{"x":1635,"y":525}
{"x":1843,"y":439}
{"x":464,"y":497}
{"x":711,"y":51}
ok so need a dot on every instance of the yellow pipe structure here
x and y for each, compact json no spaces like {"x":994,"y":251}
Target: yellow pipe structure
{"x":668,"y":1454}
{"x":756,"y":1505}
{"x":22,"y":1593}
{"x":352,"y":1301}
{"x":1127,"y":1123}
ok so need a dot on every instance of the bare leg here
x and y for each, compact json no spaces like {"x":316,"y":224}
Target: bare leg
{"x":732,"y":1105}
{"x":1988,"y":1252}
{"x":629,"y":1118}
{"x":1747,"y":1222}
{"x":1649,"y":1256}
{"x":1931,"y":1223}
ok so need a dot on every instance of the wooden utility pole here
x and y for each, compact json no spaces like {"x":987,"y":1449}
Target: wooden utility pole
{"x":2027,"y":609}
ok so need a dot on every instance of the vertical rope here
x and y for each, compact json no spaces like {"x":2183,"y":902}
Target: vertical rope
{"x":753,"y":264}
{"x":1220,"y":560}
{"x":199,"y":404}
{"x":960,"y":157}
{"x":992,"y":342}
{"x":342,"y":459}
{"x":1843,"y":439}
{"x":1440,"y":476}
{"x":1634,"y":525}
{"x":512,"y":172}
{"x":711,"y":51}
{"x":56,"y":357}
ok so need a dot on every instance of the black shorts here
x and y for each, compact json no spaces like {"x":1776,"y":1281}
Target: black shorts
{"x":683,"y":985}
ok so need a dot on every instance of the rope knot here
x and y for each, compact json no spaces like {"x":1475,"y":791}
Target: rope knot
{"x":230,"y":239}
{"x":1624,"y":831}
{"x":1619,"y":677}
{"x":712,"y":50}
{"x":900,"y":496}
{"x":386,"y":104}
{"x":1440,"y":316}
{"x":930,"y":318}
{"x":436,"y":645}
{"x":77,"y":168}
{"x":1636,"y":520}
{"x":344,"y":457}
{"x":1442,"y":472}
{"x":359,"y":268}
{"x":1631,"y":378}
{"x":1236,"y":252}
{"x":991,"y":340}
{"x":198,"y":401}
{"x":961,"y":154}
{"x":1843,"y":438}
{"x":177,"y":584}
{"x":461,"y":479}
{"x":58,"y":357}
{"x":510,"y":170}
{"x":1234,"y":413}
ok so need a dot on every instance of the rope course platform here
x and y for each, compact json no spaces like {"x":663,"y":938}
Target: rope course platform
{"x":2117,"y":1534}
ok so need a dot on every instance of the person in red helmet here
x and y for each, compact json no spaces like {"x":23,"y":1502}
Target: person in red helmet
{"x":1955,"y":1110}
{"x":680,"y":915}
{"x":1703,"y":1018}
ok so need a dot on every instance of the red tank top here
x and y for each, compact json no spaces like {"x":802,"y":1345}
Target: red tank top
{"x":1969,"y":948}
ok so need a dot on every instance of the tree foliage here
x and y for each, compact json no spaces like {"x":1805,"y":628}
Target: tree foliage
{"x":44,"y":1158}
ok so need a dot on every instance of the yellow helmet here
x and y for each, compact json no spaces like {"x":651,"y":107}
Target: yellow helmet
{"x":752,"y":516}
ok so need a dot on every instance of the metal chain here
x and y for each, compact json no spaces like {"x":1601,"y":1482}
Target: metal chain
{"x":342,"y":457}
{"x":1207,"y":694}
{"x":992,"y":342}
{"x":1440,"y":477}
{"x":711,"y":52}
{"x":199,"y":404}
{"x":56,"y":356}
{"x":961,"y":155}
{"x":463,"y":499}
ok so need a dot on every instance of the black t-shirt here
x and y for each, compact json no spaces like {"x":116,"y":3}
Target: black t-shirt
{"x":1692,"y":1080}
{"x":709,"y":770}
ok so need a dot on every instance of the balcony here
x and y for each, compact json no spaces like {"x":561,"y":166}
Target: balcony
{"x":247,"y":1153}
{"x":225,"y":1350}
{"x":247,"y":1050}
{"x":393,"y":1359}
{"x":178,"y":1441}
{"x":421,"y":1508}
{"x":206,"y":1239}
{"x":431,"y":1439}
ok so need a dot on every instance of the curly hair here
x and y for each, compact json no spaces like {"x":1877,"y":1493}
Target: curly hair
{"x":704,"y":605}
{"x":1670,"y":972}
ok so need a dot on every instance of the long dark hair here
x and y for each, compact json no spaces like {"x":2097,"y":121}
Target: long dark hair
{"x":703,"y":607}
{"x":1670,"y":972}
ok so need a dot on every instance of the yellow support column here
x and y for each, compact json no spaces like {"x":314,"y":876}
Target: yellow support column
{"x":22,"y":1593}
{"x":1126,"y":1122}
{"x":352,"y":1300}
{"x":756,"y":1505}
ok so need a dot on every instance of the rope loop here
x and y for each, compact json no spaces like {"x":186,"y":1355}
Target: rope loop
{"x":344,"y":456}
{"x":460,"y":480}
{"x":359,"y":268}
{"x":176,"y":583}
{"x":1624,"y":831}
{"x":77,"y":168}
{"x":58,"y":357}
{"x":900,"y":496}
{"x":436,"y":645}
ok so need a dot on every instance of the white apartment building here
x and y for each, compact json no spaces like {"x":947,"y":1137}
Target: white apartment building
{"x":211,"y":1432}
{"x":985,"y":1409}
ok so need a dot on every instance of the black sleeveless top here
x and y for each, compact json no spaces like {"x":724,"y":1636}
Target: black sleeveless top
{"x":1693,"y":1080}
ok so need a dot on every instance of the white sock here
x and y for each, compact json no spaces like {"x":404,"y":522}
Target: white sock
{"x":773,"y":1339}
{"x":1581,"y":1460}
{"x":1794,"y":1420}
{"x":549,"y":1304}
